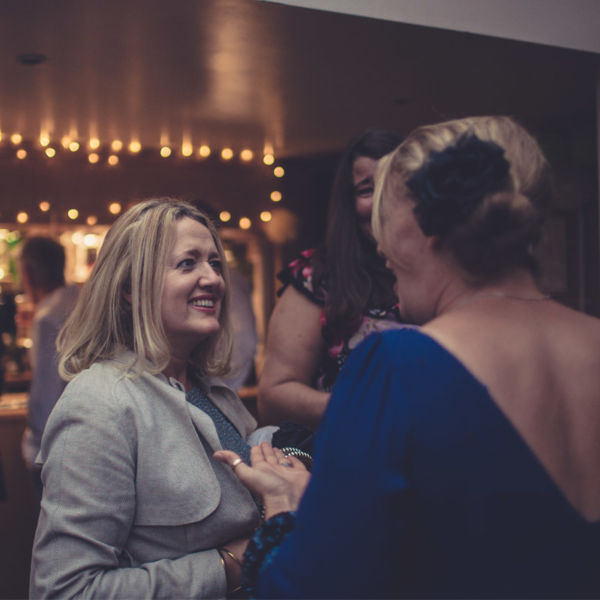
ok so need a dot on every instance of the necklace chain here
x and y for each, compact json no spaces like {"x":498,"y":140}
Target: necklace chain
{"x":500,"y":294}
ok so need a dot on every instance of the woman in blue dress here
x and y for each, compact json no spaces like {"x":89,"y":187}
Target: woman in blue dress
{"x":461,"y":459}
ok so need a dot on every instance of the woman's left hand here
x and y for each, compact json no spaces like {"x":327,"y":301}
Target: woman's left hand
{"x":278,"y":479}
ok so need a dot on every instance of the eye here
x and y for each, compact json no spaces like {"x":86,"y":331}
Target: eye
{"x":186,"y":263}
{"x":216,"y":265}
{"x":364,"y":188}
{"x":363,"y":192}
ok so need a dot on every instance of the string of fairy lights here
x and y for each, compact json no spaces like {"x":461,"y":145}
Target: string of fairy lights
{"x":110,"y":153}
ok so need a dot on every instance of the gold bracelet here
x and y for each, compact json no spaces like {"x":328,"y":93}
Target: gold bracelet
{"x":231,"y":555}
{"x":236,"y":560}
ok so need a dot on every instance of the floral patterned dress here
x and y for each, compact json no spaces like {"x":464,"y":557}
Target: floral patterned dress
{"x":338,"y":347}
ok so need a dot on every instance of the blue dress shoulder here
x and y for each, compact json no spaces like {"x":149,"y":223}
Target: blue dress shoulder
{"x":422,"y":488}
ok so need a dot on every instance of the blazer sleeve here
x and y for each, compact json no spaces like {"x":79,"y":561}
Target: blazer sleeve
{"x":352,"y":537}
{"x":88,"y":509}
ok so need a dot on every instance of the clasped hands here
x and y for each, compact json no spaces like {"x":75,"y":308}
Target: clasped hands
{"x":279,"y":480}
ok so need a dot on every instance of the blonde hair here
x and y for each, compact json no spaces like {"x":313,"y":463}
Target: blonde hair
{"x":500,"y":234}
{"x":120,"y":304}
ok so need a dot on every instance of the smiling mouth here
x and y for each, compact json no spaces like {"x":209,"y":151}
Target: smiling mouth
{"x":203,"y":302}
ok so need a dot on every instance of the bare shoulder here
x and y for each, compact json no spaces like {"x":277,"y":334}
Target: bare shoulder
{"x":550,"y":328}
{"x":541,"y":366}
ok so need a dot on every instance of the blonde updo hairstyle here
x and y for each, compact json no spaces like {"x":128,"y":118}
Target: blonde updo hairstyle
{"x":120,"y":304}
{"x":500,"y":233}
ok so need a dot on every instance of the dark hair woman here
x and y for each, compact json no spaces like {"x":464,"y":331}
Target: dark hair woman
{"x":332,"y":297}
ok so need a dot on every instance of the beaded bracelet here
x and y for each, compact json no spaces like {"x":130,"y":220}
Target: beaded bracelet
{"x":304,"y":457}
{"x":263,"y":548}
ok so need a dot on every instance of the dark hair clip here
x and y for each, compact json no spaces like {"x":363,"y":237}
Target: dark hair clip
{"x":453,"y":182}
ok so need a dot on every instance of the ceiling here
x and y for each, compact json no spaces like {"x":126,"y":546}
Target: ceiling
{"x":263,"y":76}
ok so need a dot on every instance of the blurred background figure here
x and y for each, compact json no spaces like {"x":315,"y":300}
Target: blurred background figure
{"x":332,"y":297}
{"x":42,"y":265}
{"x":243,"y":320}
{"x":243,"y":327}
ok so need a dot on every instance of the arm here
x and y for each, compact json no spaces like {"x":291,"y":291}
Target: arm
{"x":294,"y":348}
{"x":352,"y":536}
{"x":83,"y":545}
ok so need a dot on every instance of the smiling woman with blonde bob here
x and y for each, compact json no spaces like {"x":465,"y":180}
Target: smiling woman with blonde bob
{"x":460,"y":459}
{"x":134,"y":506}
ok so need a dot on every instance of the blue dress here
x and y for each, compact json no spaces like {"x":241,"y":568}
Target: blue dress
{"x":422,"y":488}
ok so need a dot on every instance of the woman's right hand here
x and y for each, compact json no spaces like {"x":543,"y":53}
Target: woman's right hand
{"x":278,"y":479}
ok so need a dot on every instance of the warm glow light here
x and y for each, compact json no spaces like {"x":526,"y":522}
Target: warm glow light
{"x":65,"y":141}
{"x":227,"y":153}
{"x":165,"y":151}
{"x":2,"y":273}
{"x":268,"y":159}
{"x":44,"y":139}
{"x":113,"y":160}
{"x":245,"y":223}
{"x":50,"y":152}
{"x":22,"y":217}
{"x":72,"y":213}
{"x":74,"y":146}
{"x":94,"y":143}
{"x":246,"y":154}
{"x":265,"y":216}
{"x":44,"y":206}
{"x":16,"y":138}
{"x":93,"y":158}
{"x":186,"y":149}
{"x":278,"y":171}
{"x":225,"y":216}
{"x":90,"y":240}
{"x":275,"y":196}
{"x":117,"y":145}
{"x":204,"y":151}
{"x":114,"y":208}
{"x":92,"y":220}
{"x":134,"y":146}
{"x":21,"y":154}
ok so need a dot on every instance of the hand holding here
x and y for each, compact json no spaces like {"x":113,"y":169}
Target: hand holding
{"x":277,"y":479}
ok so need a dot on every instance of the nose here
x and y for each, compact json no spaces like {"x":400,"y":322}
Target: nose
{"x":207,"y":276}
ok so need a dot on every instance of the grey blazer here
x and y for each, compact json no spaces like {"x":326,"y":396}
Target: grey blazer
{"x":133,"y":505}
